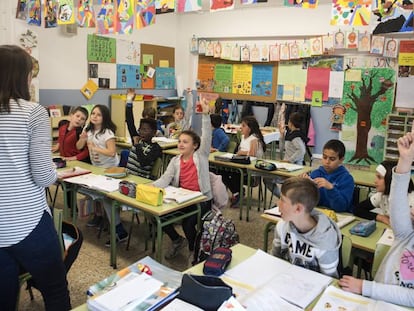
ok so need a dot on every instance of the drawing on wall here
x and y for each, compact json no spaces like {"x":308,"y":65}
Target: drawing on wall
{"x":66,"y":12}
{"x":51,"y":13}
{"x":355,"y":13}
{"x":306,"y":4}
{"x":164,"y":6}
{"x":35,"y":13}
{"x":367,"y":102}
{"x":124,"y":18}
{"x":105,"y":18}
{"x":127,"y":52}
{"x":182,"y":6}
{"x":86,"y":14}
{"x":21,"y":12}
{"x":220,"y":5}
{"x":145,"y":13}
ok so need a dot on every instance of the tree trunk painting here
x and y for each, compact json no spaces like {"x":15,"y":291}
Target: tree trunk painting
{"x":364,"y":100}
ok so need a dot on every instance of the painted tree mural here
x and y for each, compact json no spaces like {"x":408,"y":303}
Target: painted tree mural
{"x":368,"y":102}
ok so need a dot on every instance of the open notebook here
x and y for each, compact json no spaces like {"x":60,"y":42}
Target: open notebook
{"x":179,"y":195}
{"x":96,"y":182}
{"x":71,"y":172}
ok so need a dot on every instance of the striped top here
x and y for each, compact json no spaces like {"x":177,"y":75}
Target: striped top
{"x":26,"y":168}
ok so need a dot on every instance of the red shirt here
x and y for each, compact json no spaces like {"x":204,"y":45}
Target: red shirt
{"x":67,"y":144}
{"x":188,"y":175}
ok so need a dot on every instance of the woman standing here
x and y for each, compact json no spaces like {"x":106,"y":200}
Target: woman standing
{"x":28,"y":238}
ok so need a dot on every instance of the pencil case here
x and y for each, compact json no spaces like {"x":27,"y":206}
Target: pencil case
{"x":364,"y":228}
{"x":127,"y":188}
{"x":217,"y":262}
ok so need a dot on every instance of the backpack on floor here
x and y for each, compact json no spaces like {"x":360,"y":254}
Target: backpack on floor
{"x":216,"y":231}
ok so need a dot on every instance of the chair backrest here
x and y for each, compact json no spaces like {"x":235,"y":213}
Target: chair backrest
{"x":58,"y":219}
{"x":345,"y":256}
{"x":156,"y":168}
{"x":232,"y":146}
{"x":124,"y":158}
{"x":380,"y":251}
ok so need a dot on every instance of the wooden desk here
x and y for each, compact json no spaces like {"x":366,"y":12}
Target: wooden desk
{"x":363,"y":178}
{"x":253,"y":170}
{"x":164,"y":215}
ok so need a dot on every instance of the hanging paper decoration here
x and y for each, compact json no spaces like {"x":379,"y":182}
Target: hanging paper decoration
{"x":35,"y":14}
{"x":66,"y":13}
{"x":349,"y":12}
{"x":105,"y":18}
{"x":187,"y":5}
{"x":337,"y":117}
{"x":244,"y":2}
{"x":145,"y":11}
{"x":220,"y":5}
{"x":86,"y":15}
{"x":21,"y":10}
{"x":124,"y":18}
{"x":306,"y":4}
{"x":51,"y":7}
{"x":164,"y":6}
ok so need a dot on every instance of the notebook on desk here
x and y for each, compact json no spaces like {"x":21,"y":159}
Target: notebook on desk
{"x":72,"y":172}
{"x":179,"y":195}
{"x":96,"y":182}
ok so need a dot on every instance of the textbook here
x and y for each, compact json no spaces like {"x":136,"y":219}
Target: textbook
{"x":95,"y":182}
{"x":72,"y":172}
{"x":179,"y":195}
{"x":132,"y":289}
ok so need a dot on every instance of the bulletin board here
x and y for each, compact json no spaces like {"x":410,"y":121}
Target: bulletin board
{"x":160,"y":55}
{"x":204,"y":60}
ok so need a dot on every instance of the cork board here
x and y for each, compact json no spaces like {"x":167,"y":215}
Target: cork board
{"x":161,"y":55}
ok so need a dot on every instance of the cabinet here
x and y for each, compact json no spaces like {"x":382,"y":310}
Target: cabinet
{"x":163,"y":106}
{"x":397,"y":126}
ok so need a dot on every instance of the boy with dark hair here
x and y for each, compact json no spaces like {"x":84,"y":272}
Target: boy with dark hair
{"x":335,"y":183}
{"x":220,"y":139}
{"x":305,"y":237}
{"x":144,"y":153}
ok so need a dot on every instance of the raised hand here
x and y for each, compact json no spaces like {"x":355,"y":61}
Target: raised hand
{"x":406,"y":150}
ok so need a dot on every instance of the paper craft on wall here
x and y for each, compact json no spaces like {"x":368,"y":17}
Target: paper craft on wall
{"x":254,"y":54}
{"x":217,"y":49}
{"x":364,"y":42}
{"x":242,"y":75}
{"x":128,"y":52}
{"x":66,"y":12}
{"x":337,"y":117}
{"x":339,"y":40}
{"x":50,"y":9}
{"x":219,"y":5}
{"x":235,"y":53}
{"x":182,"y":6}
{"x":368,"y":102}
{"x":89,"y":89}
{"x":105,"y":18}
{"x":128,"y":76}
{"x":145,"y":13}
{"x":103,"y":74}
{"x":245,"y":2}
{"x":164,"y":6}
{"x":304,"y":48}
{"x":101,"y":49}
{"x":391,"y":47}
{"x":193,"y":44}
{"x":351,"y":13}
{"x":202,"y":46}
{"x":205,"y":77}
{"x":377,"y":44}
{"x":124,"y":17}
{"x":317,"y":80}
{"x":294,"y":51}
{"x":328,"y":44}
{"x":316,"y":46}
{"x":352,"y":39}
{"x":210,"y":48}
{"x":262,"y":80}
{"x":406,"y":55}
{"x":244,"y":53}
{"x":226,"y":51}
{"x":306,"y":4}
{"x":223,"y":76}
{"x":164,"y":78}
{"x":35,"y":13}
{"x":274,"y":52}
{"x":86,"y":14}
{"x":21,"y":12}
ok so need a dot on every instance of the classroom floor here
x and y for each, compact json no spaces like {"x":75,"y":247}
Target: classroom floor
{"x":92,"y":264}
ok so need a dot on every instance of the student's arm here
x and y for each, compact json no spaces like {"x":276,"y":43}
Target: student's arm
{"x":188,"y":111}
{"x":390,"y":293}
{"x":328,"y":263}
{"x":82,"y":141}
{"x":168,"y":176}
{"x":224,"y":140}
{"x":41,"y":165}
{"x":206,"y":131}
{"x":277,"y":244}
{"x":254,"y":145}
{"x":363,"y":210}
{"x":129,"y":116}
{"x":110,"y":149}
{"x":84,"y":154}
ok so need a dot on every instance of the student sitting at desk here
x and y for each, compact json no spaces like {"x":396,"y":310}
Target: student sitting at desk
{"x":220,"y":139}
{"x":189,"y":170}
{"x":294,"y":142}
{"x":181,"y":121}
{"x":335,"y":183}
{"x":394,"y":281}
{"x":305,"y":237}
{"x":147,"y":113}
{"x":100,"y":138}
{"x":69,"y":133}
{"x":252,"y":144}
{"x":377,"y":206}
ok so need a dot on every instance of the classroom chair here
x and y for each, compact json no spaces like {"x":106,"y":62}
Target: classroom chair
{"x":345,"y":257}
{"x":156,"y":172}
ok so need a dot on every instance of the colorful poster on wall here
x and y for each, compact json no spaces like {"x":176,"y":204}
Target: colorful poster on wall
{"x":317,"y":80}
{"x":205,"y":77}
{"x":355,"y":13}
{"x":182,"y":6}
{"x":124,"y":17}
{"x":35,"y":13}
{"x":66,"y":12}
{"x":406,"y":56}
{"x":105,"y":18}
{"x":262,"y":79}
{"x":164,"y":78}
{"x":220,"y":5}
{"x":367,"y":108}
{"x":101,"y":49}
{"x":21,"y":12}
{"x":50,"y":8}
{"x":103,"y":74}
{"x":128,"y":76}
{"x":164,"y":6}
{"x":86,"y":14}
{"x":306,"y":4}
{"x":223,"y":76}
{"x":145,"y":13}
{"x":242,"y":79}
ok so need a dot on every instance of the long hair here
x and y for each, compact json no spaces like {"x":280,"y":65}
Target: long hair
{"x":389,"y":165}
{"x":16,"y":65}
{"x":106,"y":120}
{"x":253,"y":125}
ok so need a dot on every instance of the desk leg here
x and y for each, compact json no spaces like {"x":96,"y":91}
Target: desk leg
{"x":112,"y":232}
{"x":74,"y":203}
{"x":249,"y":196}
{"x":158,"y":254}
{"x":267,"y":229}
{"x":65,"y":189}
{"x":241,"y":194}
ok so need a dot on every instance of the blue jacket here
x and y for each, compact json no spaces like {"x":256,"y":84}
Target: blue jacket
{"x":220,"y":139}
{"x":340,"y":197}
